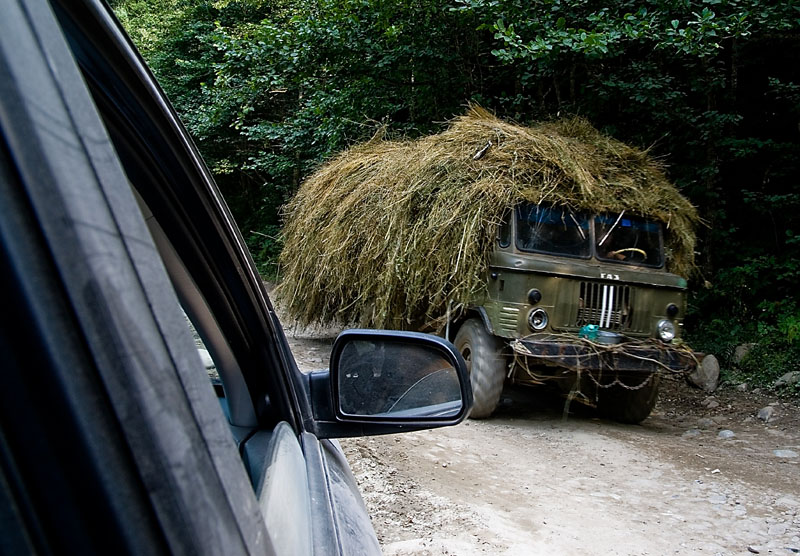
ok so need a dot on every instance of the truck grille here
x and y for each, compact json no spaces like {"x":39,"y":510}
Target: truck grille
{"x":606,"y":305}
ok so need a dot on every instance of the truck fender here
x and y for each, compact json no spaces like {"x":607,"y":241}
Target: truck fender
{"x":472,"y":312}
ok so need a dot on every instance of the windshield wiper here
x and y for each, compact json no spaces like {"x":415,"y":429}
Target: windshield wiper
{"x":608,"y":233}
{"x":577,"y":225}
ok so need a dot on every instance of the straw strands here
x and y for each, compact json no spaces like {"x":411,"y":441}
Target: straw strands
{"x":389,"y":232}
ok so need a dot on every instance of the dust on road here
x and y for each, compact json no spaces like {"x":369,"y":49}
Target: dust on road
{"x":528,"y":482}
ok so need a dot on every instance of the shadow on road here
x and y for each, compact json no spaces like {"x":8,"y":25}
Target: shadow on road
{"x":540,"y":403}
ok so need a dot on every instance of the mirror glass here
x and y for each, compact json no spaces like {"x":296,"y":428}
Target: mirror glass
{"x":397,"y":379}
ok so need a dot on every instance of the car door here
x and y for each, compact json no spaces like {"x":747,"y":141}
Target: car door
{"x":108,"y":441}
{"x":224,"y":299}
{"x":102,"y":192}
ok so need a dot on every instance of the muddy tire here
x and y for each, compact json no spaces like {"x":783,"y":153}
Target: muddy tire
{"x":629,"y":406}
{"x":486,"y":365}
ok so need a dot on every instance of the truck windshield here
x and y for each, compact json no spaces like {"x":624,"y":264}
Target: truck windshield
{"x":628,"y":240}
{"x":553,"y":230}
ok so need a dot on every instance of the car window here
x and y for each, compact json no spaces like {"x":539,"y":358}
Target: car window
{"x":94,"y":146}
{"x":128,"y":444}
{"x":268,"y":444}
{"x":198,"y":244}
{"x":282,"y":489}
{"x":204,"y":265}
{"x":193,"y":232}
{"x":227,"y":376}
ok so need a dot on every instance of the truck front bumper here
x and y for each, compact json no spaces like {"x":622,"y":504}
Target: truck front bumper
{"x":579,"y":354}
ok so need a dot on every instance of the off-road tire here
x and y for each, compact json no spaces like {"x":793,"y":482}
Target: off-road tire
{"x":629,"y":406}
{"x":486,"y":365}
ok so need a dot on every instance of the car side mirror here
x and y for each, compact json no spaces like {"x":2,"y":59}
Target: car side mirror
{"x":388,"y":381}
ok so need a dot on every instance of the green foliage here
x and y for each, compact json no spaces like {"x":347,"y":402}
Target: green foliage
{"x":265,"y":245}
{"x":270,"y":89}
{"x":754,"y":303}
{"x":148,"y":23}
{"x":770,"y":359}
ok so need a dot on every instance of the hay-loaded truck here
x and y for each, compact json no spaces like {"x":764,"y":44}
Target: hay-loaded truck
{"x":582,"y":300}
{"x":549,"y":253}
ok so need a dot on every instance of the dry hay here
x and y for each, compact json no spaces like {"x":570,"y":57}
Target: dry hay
{"x":389,"y":232}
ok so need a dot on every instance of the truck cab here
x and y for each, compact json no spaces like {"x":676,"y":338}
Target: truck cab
{"x":581,"y":298}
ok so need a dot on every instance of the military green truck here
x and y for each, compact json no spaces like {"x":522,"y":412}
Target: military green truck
{"x":579,"y":299}
{"x":548,"y":253}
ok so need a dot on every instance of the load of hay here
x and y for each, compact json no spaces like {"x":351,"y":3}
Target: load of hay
{"x":392,"y":234}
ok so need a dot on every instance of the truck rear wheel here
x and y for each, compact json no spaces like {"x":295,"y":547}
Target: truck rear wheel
{"x":486,"y":365}
{"x":629,"y":406}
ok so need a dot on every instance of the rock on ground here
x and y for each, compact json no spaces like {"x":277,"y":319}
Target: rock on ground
{"x":706,"y":376}
{"x":766,"y":414}
{"x":788,"y":379}
{"x":741,"y":352}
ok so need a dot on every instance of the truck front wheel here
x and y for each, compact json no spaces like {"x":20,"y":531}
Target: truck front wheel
{"x":629,"y":406}
{"x":486,"y":365}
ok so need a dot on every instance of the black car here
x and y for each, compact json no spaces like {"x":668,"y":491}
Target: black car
{"x":119,"y":258}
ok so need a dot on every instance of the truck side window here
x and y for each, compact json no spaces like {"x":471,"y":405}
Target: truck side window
{"x":504,"y":231}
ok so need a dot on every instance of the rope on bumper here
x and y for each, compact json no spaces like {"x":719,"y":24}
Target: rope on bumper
{"x":522,"y":355}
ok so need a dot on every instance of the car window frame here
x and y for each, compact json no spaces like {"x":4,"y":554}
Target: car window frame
{"x":128,"y":97}
{"x":127,"y":314}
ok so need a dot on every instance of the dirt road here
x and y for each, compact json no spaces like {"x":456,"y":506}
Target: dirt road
{"x":529,"y":482}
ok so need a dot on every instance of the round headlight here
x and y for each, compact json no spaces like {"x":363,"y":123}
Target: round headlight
{"x":534,"y":296}
{"x":666,"y":330}
{"x":672,"y":310}
{"x":537,"y":319}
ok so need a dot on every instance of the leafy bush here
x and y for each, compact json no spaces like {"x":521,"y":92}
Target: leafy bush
{"x":756,"y":304}
{"x":771,"y":358}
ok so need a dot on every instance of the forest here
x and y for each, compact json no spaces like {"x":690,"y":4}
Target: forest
{"x":270,"y":89}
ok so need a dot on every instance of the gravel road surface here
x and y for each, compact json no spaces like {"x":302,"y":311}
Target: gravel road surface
{"x":702,"y":475}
